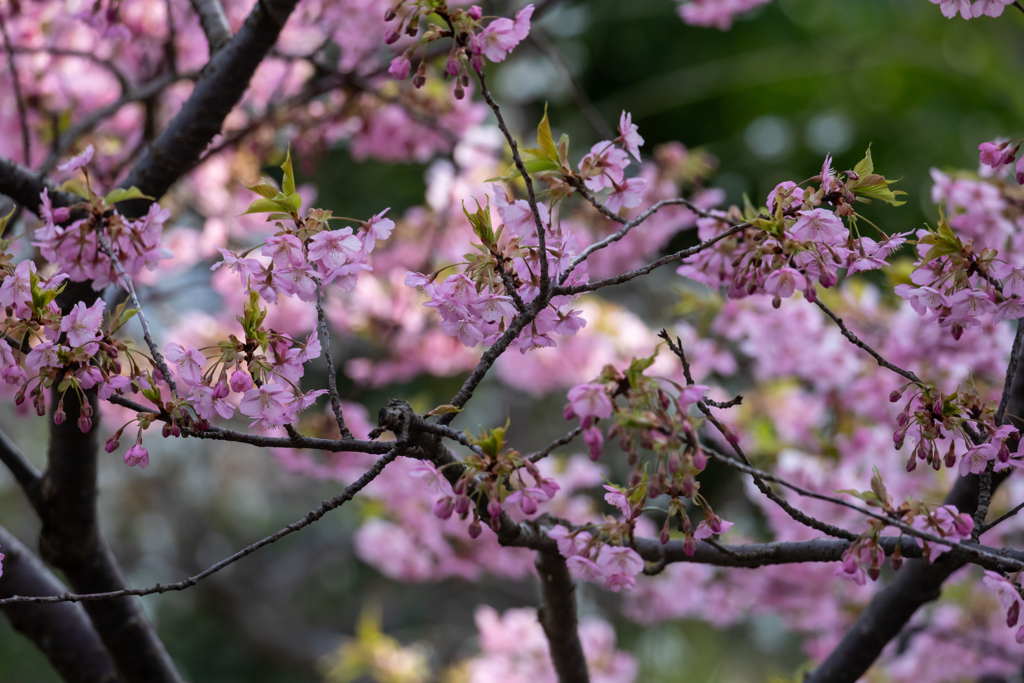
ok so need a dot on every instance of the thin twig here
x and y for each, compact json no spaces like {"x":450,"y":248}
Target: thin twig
{"x":633,"y":274}
{"x":310,"y":517}
{"x":627,"y":226}
{"x":26,"y":138}
{"x":590,"y":112}
{"x":146,"y":334}
{"x":856,"y":341}
{"x":557,"y":443}
{"x":332,"y":379}
{"x":212,"y":433}
{"x":1001,"y":519}
{"x":545,"y":279}
{"x":798,"y":515}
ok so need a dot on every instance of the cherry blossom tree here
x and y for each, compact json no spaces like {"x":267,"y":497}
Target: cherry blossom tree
{"x":134,"y":146}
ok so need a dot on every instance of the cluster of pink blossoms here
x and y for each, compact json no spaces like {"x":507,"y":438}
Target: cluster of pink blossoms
{"x":968,"y":270}
{"x":514,"y":650}
{"x":967,"y":10}
{"x":472,"y":41}
{"x":75,"y":247}
{"x":799,"y":241}
{"x":932,"y":418}
{"x":615,"y":566}
{"x":476,"y":306}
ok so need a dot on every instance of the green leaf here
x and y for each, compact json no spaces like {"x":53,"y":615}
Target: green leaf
{"x":3,"y":226}
{"x":265,"y":190}
{"x":880,"y":191}
{"x":288,"y":185}
{"x":289,"y":204}
{"x":74,"y":185}
{"x":121,"y":194}
{"x":865,"y":166}
{"x":637,"y":367}
{"x":444,"y":410}
{"x":545,"y":140}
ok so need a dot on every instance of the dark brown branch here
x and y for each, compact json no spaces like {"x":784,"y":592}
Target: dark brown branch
{"x":310,"y":517}
{"x":214,"y":22}
{"x":557,"y":615}
{"x":24,"y":187}
{"x":72,"y":541}
{"x":915,"y":585}
{"x":62,"y":633}
{"x":24,"y":472}
{"x":220,"y":87}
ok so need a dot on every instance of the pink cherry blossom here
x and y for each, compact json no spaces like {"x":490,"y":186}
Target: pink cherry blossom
{"x":819,"y":225}
{"x":590,"y":400}
{"x":82,"y":324}
{"x":137,"y":455}
{"x":187,"y":362}
{"x":629,"y":136}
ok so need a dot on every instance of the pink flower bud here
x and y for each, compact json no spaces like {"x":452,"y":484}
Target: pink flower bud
{"x":475,"y":529}
{"x":700,"y":459}
{"x":911,"y":463}
{"x":462,"y":505}
{"x":444,"y":507}
{"x":689,"y":545}
{"x":85,"y":424}
{"x":493,"y":507}
{"x":664,"y":536}
{"x":137,"y":455}
{"x":61,"y":214}
{"x":240,"y":382}
{"x":475,"y":13}
{"x":221,"y":390}
{"x":567,"y":412}
{"x":391,"y":37}
{"x":112,"y":445}
{"x":895,"y":396}
{"x":59,"y":416}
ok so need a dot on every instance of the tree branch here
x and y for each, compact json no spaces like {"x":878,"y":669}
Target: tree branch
{"x":72,"y":541}
{"x":915,"y":585}
{"x":24,"y":187}
{"x":214,"y":22}
{"x":220,"y":87}
{"x":856,"y":341}
{"x":62,"y":633}
{"x":633,"y":274}
{"x":24,"y":472}
{"x":310,"y":517}
{"x":557,"y":615}
{"x":332,"y":378}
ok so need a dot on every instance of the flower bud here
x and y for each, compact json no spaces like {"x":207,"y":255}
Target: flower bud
{"x":221,"y":390}
{"x":84,"y":424}
{"x":664,"y":536}
{"x":61,"y":214}
{"x":911,"y":463}
{"x":390,"y":14}
{"x":462,"y":505}
{"x":493,"y":507}
{"x":567,"y":412}
{"x":475,"y":13}
{"x":444,"y":507}
{"x":391,"y":37}
{"x":895,"y":395}
{"x":700,"y":459}
{"x":475,"y":529}
{"x":59,"y":416}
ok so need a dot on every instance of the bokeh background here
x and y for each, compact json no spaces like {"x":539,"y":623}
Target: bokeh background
{"x":789,"y":83}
